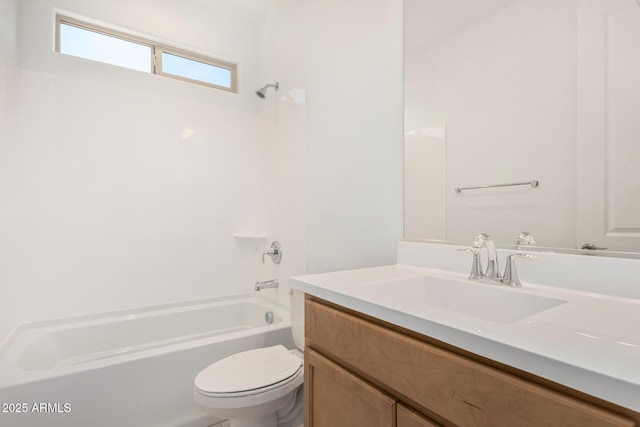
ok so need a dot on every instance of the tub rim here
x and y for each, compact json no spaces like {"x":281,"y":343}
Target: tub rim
{"x":12,"y":374}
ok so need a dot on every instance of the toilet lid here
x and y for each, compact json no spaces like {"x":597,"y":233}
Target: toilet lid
{"x":249,"y":370}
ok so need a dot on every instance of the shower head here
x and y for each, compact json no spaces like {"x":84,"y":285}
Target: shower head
{"x":261,"y":92}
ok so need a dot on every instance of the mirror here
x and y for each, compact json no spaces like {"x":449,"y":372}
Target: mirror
{"x":511,"y":91}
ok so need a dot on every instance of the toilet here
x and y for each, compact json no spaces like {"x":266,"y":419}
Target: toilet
{"x":260,"y":387}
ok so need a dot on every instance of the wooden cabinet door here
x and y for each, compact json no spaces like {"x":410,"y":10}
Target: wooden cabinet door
{"x":410,"y":418}
{"x":334,"y":397}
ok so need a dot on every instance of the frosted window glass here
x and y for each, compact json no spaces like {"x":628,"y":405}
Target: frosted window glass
{"x":195,"y":70}
{"x":101,"y":47}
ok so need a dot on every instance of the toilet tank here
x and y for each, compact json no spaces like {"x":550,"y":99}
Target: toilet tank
{"x":297,"y":318}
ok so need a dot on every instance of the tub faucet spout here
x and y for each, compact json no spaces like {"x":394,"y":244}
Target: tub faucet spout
{"x":266,"y":284}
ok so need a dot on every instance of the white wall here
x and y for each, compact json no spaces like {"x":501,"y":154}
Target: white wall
{"x":8,"y":30}
{"x":281,"y":135}
{"x":8,"y":35}
{"x":506,"y":87}
{"x":331,"y":147}
{"x":124,"y":189}
{"x":354,"y":132}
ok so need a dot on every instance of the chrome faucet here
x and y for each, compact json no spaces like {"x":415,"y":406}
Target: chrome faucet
{"x":493,"y":271}
{"x":266,"y":284}
{"x":483,"y":240}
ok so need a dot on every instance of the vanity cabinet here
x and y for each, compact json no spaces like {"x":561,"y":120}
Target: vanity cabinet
{"x":363,"y":372}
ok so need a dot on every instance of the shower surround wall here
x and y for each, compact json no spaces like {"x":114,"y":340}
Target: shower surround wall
{"x":122,"y":189}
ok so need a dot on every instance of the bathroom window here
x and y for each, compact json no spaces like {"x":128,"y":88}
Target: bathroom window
{"x":89,"y":41}
{"x":184,"y":66}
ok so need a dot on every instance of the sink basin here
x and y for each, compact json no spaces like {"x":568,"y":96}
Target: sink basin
{"x":490,"y":302}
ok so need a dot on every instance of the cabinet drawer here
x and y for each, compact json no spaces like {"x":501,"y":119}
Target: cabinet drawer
{"x":460,"y":390}
{"x":334,"y":397}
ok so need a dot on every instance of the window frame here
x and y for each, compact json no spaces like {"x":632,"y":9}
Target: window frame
{"x":157,"y":49}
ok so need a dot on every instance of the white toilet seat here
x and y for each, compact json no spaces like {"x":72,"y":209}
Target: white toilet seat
{"x":249,"y":372}
{"x":282,"y":383}
{"x":247,"y":401}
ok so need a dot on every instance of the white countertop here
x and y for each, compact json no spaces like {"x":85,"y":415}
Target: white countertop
{"x":590,"y":343}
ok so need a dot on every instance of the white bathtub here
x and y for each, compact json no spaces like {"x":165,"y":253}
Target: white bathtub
{"x":129,"y":368}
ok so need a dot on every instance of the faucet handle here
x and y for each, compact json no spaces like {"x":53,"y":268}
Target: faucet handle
{"x":510,"y":273}
{"x":275,"y":252}
{"x":525,"y":238}
{"x":476,"y":266}
{"x":480,"y":240}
